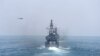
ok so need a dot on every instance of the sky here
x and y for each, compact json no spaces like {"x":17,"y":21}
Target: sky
{"x":72,"y":17}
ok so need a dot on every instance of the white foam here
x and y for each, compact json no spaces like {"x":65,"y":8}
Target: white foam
{"x":53,"y":50}
{"x":58,"y":50}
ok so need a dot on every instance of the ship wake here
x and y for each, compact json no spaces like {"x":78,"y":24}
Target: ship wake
{"x":52,"y":51}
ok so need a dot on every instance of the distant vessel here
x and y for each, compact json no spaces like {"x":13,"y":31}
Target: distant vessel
{"x":20,"y":18}
{"x":52,"y":39}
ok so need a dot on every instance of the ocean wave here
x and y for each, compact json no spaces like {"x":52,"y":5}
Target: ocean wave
{"x":52,"y":51}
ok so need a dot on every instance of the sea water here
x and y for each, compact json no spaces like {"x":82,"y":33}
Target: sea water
{"x":34,"y":46}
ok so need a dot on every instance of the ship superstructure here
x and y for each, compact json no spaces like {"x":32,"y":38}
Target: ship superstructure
{"x":52,"y":39}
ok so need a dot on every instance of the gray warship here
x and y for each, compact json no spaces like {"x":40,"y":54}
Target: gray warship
{"x":52,"y":39}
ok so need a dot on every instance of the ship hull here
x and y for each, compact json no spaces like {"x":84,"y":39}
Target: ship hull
{"x":51,"y":44}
